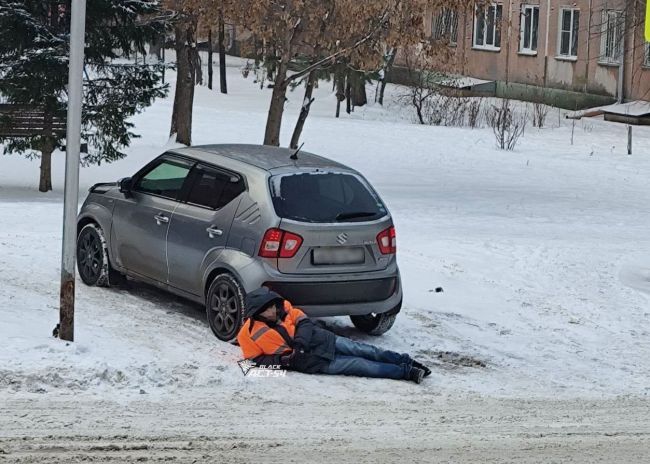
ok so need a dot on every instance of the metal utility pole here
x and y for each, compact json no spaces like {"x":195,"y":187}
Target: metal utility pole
{"x":73,"y":146}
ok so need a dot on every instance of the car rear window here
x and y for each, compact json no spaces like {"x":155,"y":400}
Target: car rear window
{"x":325,"y":197}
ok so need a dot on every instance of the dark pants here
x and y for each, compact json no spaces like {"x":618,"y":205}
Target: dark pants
{"x":363,"y":360}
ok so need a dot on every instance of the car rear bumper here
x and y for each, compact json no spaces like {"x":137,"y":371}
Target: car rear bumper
{"x":340,"y":298}
{"x":330,"y":294}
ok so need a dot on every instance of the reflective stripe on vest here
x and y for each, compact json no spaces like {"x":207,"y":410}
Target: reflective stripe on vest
{"x":281,"y":349}
{"x":259,"y":333}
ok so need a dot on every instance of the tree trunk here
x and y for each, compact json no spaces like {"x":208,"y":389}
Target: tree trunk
{"x":186,"y":72}
{"x":274,"y":118}
{"x":417,"y":102}
{"x":348,"y":85}
{"x":198,"y":69}
{"x":47,"y":147}
{"x":223,"y":85}
{"x":45,"y":184}
{"x":210,"y":58}
{"x":156,"y":46}
{"x":387,"y":68}
{"x":339,"y":77}
{"x":358,"y":89}
{"x":270,"y":69}
{"x":304,"y":111}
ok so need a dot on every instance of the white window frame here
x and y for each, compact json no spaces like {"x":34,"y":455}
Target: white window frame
{"x":444,"y":24}
{"x":573,"y":34}
{"x":611,"y":37}
{"x":489,"y":8}
{"x":529,"y":10}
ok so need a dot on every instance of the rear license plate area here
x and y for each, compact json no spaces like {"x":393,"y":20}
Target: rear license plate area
{"x":329,"y":256}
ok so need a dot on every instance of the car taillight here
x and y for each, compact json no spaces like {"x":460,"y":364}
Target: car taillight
{"x":278,"y":243}
{"x":387,"y":241}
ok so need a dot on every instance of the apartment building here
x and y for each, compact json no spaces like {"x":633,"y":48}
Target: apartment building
{"x":568,"y":53}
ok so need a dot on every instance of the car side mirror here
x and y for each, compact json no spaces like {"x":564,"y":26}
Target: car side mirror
{"x":125,"y":185}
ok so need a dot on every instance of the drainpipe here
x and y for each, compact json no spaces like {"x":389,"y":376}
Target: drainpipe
{"x":635,"y":23}
{"x":548,"y":25}
{"x":508,"y":43}
{"x":621,"y":67}
{"x":591,"y":11}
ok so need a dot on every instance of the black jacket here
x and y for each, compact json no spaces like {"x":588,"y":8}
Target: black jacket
{"x":318,"y":345}
{"x":313,"y":347}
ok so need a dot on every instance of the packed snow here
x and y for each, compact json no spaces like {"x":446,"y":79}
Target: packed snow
{"x":542,"y":255}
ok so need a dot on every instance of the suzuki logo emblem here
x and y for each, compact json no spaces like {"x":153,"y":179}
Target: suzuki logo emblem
{"x":342,"y":238}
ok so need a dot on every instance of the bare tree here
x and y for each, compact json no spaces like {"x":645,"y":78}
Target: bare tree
{"x":327,"y":32}
{"x":389,"y":60}
{"x":184,"y":20}
{"x":474,"y":112}
{"x":223,"y":83}
{"x":508,"y":125}
{"x":540,"y":112}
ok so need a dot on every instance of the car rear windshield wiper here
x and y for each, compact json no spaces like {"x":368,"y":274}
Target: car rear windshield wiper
{"x":358,"y":214}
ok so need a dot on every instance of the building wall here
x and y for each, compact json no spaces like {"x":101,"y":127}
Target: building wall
{"x":546,"y":72}
{"x":637,"y":74}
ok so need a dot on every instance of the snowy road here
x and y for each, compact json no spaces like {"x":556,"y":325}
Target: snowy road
{"x":412,"y":428}
{"x":540,"y":341}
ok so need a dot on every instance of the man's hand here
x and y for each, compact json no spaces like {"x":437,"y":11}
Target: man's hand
{"x":287,"y":360}
{"x":294,"y":358}
{"x":299,"y":345}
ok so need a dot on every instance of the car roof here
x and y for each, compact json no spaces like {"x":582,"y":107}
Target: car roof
{"x":261,"y":156}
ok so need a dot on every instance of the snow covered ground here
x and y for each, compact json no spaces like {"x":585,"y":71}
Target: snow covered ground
{"x":543,"y":254}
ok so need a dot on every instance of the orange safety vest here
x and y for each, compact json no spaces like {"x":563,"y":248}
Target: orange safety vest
{"x":260,"y":339}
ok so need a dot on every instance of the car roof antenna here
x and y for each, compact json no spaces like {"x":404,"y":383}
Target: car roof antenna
{"x":295,"y":154}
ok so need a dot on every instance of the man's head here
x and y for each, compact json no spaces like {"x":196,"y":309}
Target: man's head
{"x":270,"y":313}
{"x":263,"y":303}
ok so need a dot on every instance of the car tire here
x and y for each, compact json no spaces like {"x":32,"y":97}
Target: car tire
{"x":374,"y":324}
{"x":92,"y":256}
{"x":224,"y":306}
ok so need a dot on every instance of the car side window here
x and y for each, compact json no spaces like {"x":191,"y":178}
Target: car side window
{"x":165,"y":179}
{"x":214,"y":189}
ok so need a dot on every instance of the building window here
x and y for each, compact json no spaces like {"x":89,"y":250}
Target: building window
{"x":569,"y":27}
{"x":487,"y":27}
{"x":529,"y":28}
{"x":444,"y":26}
{"x":611,"y":37}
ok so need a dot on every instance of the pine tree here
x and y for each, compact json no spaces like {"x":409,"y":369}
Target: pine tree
{"x":34,"y":51}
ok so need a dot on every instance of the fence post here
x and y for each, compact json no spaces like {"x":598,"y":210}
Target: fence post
{"x":629,"y":140}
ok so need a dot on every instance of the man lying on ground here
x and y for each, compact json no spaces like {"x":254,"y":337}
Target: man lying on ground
{"x":276,"y":333}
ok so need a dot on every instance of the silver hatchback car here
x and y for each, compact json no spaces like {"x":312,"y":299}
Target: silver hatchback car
{"x":211,"y":223}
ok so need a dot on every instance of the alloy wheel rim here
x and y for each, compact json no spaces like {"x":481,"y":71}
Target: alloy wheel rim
{"x":89,"y":257}
{"x":224,"y":309}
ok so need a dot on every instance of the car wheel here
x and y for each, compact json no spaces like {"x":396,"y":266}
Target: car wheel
{"x":374,"y":324}
{"x":225,"y":306}
{"x":92,"y":256}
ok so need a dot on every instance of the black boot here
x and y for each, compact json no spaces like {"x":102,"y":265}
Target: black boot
{"x":416,"y":375}
{"x":427,"y":371}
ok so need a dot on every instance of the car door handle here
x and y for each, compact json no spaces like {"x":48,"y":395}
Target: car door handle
{"x":212,"y":231}
{"x":160,"y":218}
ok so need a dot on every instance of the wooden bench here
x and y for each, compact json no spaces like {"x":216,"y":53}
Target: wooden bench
{"x":29,"y":121}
